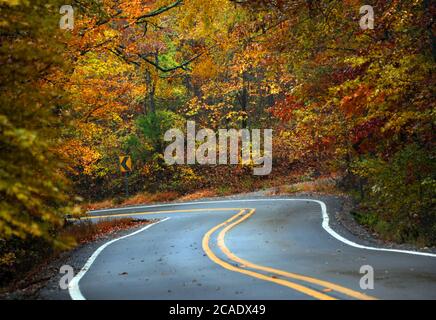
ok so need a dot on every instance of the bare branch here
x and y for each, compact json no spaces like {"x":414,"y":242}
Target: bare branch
{"x":122,"y":56}
{"x":160,"y":10}
{"x":180,"y":66}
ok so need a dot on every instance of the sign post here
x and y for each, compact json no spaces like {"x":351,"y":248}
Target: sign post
{"x":125,"y":167}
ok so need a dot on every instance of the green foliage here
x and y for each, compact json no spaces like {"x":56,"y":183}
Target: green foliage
{"x":223,"y":190}
{"x":401,"y":194}
{"x":183,"y":179}
{"x":154,"y":125}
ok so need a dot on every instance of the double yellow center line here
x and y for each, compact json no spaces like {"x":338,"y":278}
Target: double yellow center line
{"x":244,"y":214}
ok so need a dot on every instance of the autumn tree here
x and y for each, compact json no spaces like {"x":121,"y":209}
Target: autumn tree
{"x":361,"y":101}
{"x":32,"y":184}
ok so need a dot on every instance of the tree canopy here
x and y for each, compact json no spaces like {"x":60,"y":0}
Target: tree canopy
{"x":341,"y":100}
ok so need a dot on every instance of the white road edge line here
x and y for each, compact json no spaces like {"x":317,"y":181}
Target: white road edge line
{"x":73,"y":286}
{"x":325,"y":221}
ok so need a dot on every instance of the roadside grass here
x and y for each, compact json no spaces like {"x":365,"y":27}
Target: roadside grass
{"x":323,"y":185}
{"x":223,"y":190}
{"x":100,"y":205}
{"x":384,"y":230}
{"x":86,"y":230}
{"x":150,"y":198}
{"x":200,"y":194}
{"x":137,"y":199}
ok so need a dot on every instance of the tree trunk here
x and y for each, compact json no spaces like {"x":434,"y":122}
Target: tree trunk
{"x":244,"y":100}
{"x":151,"y":85}
{"x":150,"y":91}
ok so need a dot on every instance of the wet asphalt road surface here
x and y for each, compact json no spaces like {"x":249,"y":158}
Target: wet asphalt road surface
{"x":169,"y":261}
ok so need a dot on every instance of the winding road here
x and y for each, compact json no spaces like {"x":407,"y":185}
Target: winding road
{"x":277,"y":248}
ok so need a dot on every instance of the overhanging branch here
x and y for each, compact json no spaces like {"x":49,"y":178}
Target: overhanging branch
{"x":160,"y":10}
{"x":122,"y":56}
{"x":163,"y":69}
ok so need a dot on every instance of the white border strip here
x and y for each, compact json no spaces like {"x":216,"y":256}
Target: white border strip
{"x":73,"y":286}
{"x":325,"y":221}
{"x":326,"y":226}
